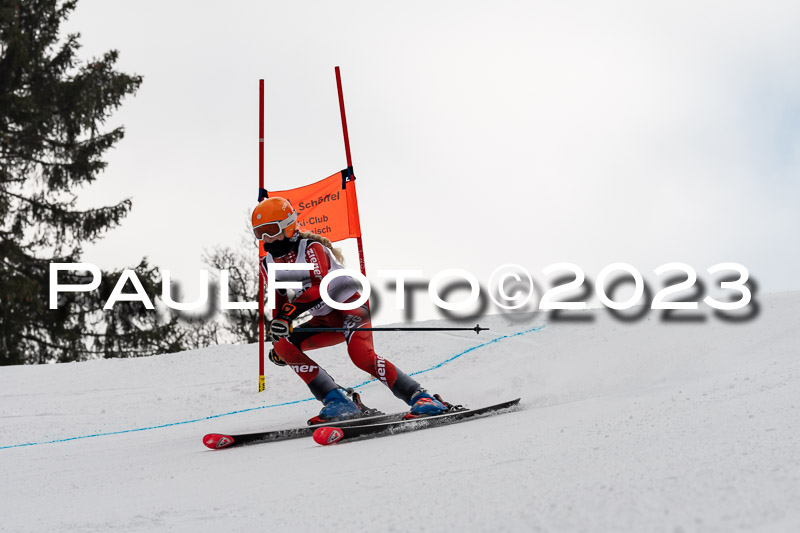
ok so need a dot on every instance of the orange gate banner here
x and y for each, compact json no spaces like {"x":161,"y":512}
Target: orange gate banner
{"x":325,"y":208}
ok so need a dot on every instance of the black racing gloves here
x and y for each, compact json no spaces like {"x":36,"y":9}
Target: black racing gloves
{"x":281,"y":325}
{"x":275,"y":358}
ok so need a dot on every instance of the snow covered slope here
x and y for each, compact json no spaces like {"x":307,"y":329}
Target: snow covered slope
{"x":642,"y":426}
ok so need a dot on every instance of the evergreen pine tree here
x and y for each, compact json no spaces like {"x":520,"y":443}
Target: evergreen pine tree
{"x":53,"y":107}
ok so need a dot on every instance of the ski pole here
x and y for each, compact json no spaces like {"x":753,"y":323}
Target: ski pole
{"x":476,"y":329}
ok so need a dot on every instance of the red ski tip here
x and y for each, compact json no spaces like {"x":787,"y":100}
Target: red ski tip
{"x":327,"y":435}
{"x":215,"y":441}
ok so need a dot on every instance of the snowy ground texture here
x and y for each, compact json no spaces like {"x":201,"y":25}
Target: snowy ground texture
{"x":641,"y":426}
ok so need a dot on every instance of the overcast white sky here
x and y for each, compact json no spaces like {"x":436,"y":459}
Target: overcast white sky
{"x":482,"y":133}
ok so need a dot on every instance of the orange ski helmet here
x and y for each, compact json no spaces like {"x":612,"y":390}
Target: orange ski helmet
{"x":273,"y":216}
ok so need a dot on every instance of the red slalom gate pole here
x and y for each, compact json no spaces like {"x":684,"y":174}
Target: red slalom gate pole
{"x":349,"y":160}
{"x":344,"y":119}
{"x":261,"y":380}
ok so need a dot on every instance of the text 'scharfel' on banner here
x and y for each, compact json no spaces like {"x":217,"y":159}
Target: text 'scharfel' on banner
{"x":325,"y":207}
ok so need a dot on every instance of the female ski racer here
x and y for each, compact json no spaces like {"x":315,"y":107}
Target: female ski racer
{"x":275,"y":224}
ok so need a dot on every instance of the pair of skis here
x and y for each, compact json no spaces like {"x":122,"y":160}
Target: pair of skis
{"x":357,"y":428}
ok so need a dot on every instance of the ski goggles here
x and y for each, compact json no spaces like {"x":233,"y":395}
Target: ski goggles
{"x":273,"y":229}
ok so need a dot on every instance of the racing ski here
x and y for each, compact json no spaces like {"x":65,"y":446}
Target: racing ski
{"x":333,"y":433}
{"x":217,"y":441}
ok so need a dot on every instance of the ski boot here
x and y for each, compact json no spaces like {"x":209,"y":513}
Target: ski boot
{"x":337,"y":407}
{"x":423,"y":404}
